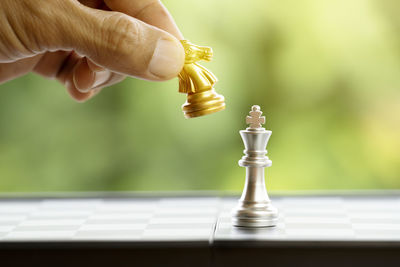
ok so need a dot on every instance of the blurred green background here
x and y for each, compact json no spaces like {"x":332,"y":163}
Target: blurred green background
{"x":325,"y":73}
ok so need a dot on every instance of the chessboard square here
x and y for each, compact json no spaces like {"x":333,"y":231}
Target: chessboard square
{"x":328,"y":216}
{"x":193,"y":226}
{"x":176,"y":214}
{"x":112,"y":227}
{"x":319,"y":226}
{"x":308,"y":234}
{"x":126,"y":202}
{"x":375,"y":204}
{"x":316,"y":220}
{"x":370,"y":215}
{"x":316,"y":208}
{"x":12,"y":218}
{"x":126,"y":207}
{"x":16,"y":207}
{"x":229,"y":203}
{"x":187,"y":211}
{"x":375,"y":226}
{"x":70,"y":204}
{"x":60,"y":214}
{"x":374,"y":210}
{"x":312,"y":201}
{"x":187,"y":220}
{"x":6,"y":228}
{"x":192,"y":202}
{"x":32,"y":228}
{"x":109,"y":234}
{"x":306,"y":211}
{"x":225,"y":221}
{"x":383,"y":232}
{"x":125,"y":215}
{"x":83,"y":202}
{"x":111,"y":221}
{"x":375,"y":220}
{"x":9,"y":222}
{"x":224,"y":224}
{"x":52,"y":222}
{"x":39,"y":235}
{"x":225,"y":214}
{"x":178,"y":233}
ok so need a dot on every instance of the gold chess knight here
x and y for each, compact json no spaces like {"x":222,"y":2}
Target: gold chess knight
{"x":254,"y":208}
{"x":198,"y":83}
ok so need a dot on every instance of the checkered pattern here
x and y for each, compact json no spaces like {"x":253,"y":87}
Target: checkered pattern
{"x":169,"y":219}
{"x":322,"y":219}
{"x":197,"y":219}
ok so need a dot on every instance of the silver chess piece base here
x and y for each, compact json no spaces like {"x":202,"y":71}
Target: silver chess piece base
{"x":254,"y":208}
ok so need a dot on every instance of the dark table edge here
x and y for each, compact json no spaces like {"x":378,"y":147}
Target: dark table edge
{"x":306,"y":244}
{"x":197,"y":244}
{"x":49,"y":244}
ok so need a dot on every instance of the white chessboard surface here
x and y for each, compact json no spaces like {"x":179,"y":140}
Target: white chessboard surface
{"x":322,"y":219}
{"x":147,"y":219}
{"x":204,"y":219}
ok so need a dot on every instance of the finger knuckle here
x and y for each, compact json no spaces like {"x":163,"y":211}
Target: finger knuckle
{"x":123,"y":34}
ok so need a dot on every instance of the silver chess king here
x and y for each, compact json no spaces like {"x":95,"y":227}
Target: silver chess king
{"x":254,"y":208}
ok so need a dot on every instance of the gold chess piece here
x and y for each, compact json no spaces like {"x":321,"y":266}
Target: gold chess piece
{"x":198,"y":83}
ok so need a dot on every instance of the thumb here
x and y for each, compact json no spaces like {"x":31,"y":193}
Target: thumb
{"x":121,"y":43}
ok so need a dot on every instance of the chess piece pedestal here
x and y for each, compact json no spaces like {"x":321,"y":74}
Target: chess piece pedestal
{"x":203,"y":103}
{"x":254,"y":208}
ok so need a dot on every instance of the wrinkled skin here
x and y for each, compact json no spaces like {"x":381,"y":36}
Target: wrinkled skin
{"x":87,"y":44}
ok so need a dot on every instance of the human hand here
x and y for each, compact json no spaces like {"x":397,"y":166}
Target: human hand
{"x":88,"y":44}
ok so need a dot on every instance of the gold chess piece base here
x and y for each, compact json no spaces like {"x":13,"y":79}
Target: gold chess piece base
{"x":203,"y":103}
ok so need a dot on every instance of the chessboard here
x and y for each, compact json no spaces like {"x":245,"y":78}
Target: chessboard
{"x":312,"y":230}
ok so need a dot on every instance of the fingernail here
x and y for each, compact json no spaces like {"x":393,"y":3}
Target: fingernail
{"x":101,"y":77}
{"x":98,"y":79}
{"x":168,"y":58}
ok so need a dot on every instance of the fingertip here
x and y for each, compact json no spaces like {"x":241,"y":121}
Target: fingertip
{"x":88,"y":76}
{"x":78,"y":96}
{"x":83,"y":77}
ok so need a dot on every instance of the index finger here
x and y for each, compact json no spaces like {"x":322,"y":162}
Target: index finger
{"x":152,"y":12}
